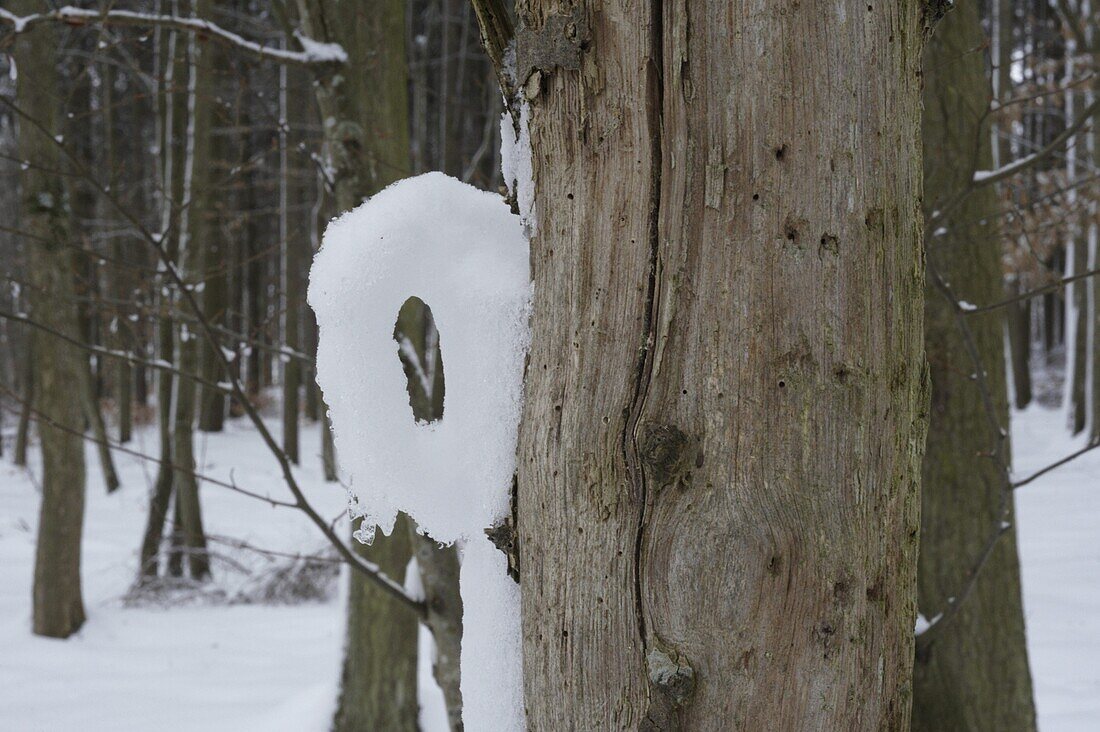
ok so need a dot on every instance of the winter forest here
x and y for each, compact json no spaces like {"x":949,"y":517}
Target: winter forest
{"x":553,"y":365}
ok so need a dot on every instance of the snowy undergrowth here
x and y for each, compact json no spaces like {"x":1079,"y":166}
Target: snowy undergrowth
{"x":211,"y":666}
{"x":462,"y":252}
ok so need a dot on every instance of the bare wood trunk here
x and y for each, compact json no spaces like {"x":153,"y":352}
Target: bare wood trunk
{"x":971,"y":674}
{"x":719,"y":454}
{"x":58,"y":607}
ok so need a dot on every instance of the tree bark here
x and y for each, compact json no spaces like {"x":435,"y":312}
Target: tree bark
{"x":974,"y":674}
{"x":718,"y":459}
{"x":58,"y":607}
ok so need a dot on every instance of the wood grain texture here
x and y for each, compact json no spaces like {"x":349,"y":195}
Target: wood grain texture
{"x":719,"y":453}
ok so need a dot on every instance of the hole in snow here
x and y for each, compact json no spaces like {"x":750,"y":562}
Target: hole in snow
{"x":418,"y":348}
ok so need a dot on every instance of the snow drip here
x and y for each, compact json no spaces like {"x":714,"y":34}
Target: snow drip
{"x":462,"y":252}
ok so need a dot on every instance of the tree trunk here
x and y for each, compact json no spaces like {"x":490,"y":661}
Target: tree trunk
{"x":718,"y":459}
{"x":94,"y":415}
{"x":196,"y":232}
{"x":1019,"y":337}
{"x":23,"y":429}
{"x":1077,"y":341}
{"x":58,"y":607}
{"x":973,"y":673}
{"x":365,"y":121}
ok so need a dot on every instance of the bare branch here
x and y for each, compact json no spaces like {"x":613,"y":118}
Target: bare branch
{"x":988,"y":177}
{"x":313,"y":53}
{"x":1068,"y":458}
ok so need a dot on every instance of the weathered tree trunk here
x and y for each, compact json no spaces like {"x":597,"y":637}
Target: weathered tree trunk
{"x":58,"y":608}
{"x":972,"y":674}
{"x":719,"y":453}
{"x":365,"y":121}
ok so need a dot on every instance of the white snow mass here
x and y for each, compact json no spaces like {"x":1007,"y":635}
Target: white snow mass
{"x":462,"y":252}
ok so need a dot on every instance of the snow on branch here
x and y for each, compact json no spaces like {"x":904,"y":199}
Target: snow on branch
{"x":313,"y":53}
{"x":985,"y":177}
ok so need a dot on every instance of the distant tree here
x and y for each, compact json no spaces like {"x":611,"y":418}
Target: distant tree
{"x":972,"y":672}
{"x":58,"y":365}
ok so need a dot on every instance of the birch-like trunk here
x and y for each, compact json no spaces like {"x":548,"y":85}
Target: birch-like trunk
{"x":719,"y":455}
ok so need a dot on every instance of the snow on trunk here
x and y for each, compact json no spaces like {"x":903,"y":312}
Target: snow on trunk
{"x":463,"y":253}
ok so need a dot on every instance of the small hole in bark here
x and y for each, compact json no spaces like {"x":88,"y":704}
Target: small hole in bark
{"x":782,"y":383}
{"x":781,"y":152}
{"x":756,"y":196}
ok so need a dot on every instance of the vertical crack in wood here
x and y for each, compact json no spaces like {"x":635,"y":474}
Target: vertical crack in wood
{"x":644,"y":371}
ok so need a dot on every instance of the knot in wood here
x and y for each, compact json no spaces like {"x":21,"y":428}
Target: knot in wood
{"x":665,"y":452}
{"x":674,"y":677}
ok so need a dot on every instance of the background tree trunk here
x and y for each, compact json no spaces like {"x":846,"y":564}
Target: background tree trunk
{"x":364,"y":113}
{"x":58,"y":605}
{"x":974,"y":674}
{"x":193,"y":239}
{"x":719,"y":455}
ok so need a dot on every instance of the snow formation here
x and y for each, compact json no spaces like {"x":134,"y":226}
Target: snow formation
{"x":462,"y":252}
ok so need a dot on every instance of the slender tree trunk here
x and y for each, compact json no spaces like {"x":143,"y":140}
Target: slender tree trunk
{"x":22,"y":430}
{"x":196,"y":193}
{"x":1094,"y":248}
{"x":973,"y":673}
{"x":86,"y":388}
{"x":718,"y":460}
{"x":1019,"y":337}
{"x":1077,"y":341}
{"x":58,"y":608}
{"x":171,"y":112}
{"x":292,"y":240}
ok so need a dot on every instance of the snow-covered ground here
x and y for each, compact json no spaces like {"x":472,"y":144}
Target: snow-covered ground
{"x":237,"y":667}
{"x":207,"y":666}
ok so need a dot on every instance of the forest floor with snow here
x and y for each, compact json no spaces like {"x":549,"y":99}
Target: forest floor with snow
{"x":222,"y":661}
